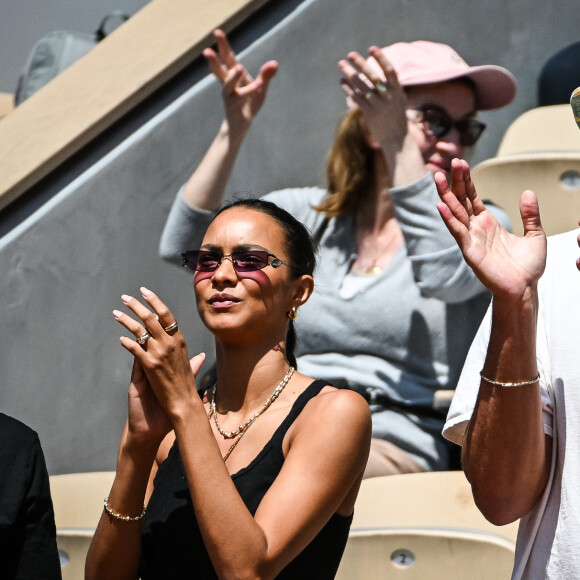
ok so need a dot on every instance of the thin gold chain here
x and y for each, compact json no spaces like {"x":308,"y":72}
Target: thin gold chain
{"x":233,"y":445}
{"x":239,"y":432}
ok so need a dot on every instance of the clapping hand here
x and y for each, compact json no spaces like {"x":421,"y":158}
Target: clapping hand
{"x":163,"y":377}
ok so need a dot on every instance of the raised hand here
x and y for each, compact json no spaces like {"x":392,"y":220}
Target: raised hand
{"x":163,"y":379}
{"x":505,"y":263}
{"x":373,"y":86}
{"x":243,"y":95}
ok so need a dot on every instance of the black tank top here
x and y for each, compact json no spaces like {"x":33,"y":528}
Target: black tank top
{"x":172,"y":546}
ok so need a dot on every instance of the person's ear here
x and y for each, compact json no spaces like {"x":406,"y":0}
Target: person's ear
{"x":303,"y":290}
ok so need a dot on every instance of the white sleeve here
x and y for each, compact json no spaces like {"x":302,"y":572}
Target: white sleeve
{"x":544,"y":367}
{"x":467,"y":389}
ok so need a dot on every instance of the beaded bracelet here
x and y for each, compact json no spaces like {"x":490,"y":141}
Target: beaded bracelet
{"x":120,"y":517}
{"x":501,"y":384}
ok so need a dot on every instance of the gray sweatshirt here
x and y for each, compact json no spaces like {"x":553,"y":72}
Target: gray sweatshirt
{"x":397,"y":336}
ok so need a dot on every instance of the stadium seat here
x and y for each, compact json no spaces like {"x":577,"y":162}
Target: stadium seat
{"x":426,"y":553}
{"x":78,"y":504}
{"x":554,"y":177}
{"x":406,"y":524}
{"x":540,"y":150}
{"x":543,"y":129}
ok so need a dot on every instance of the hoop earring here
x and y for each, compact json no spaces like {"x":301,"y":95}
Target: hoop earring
{"x":292,"y":314}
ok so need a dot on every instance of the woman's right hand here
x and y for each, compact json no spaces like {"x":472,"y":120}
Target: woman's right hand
{"x":243,"y":95}
{"x":384,"y":111}
{"x":372,"y":85}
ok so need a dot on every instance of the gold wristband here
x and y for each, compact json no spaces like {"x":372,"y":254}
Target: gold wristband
{"x":502,"y":384}
{"x":124,"y":518}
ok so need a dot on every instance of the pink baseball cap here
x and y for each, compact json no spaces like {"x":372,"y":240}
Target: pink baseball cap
{"x":423,"y":63}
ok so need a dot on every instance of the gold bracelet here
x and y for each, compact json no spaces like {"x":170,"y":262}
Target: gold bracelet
{"x":120,"y":517}
{"x":501,"y":384}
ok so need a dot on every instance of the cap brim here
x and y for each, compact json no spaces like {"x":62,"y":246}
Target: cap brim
{"x":495,"y":86}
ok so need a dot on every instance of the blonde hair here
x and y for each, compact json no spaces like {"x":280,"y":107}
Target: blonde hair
{"x":350,"y":167}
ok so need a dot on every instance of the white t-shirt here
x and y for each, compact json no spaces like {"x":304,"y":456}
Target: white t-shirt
{"x":548,"y":537}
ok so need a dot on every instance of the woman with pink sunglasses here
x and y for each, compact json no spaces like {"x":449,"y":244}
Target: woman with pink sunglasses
{"x":256,"y":476}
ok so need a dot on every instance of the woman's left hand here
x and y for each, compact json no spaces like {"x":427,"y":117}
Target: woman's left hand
{"x":373,"y":85}
{"x":160,"y":349}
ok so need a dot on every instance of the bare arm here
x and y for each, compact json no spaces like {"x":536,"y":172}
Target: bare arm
{"x":506,"y":455}
{"x":243,"y":97}
{"x":116,"y":546}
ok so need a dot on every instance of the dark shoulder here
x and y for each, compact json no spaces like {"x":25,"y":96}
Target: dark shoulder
{"x":14,"y":431}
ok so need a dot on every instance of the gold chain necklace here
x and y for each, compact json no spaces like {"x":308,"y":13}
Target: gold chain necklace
{"x":379,"y":247}
{"x":239,"y":432}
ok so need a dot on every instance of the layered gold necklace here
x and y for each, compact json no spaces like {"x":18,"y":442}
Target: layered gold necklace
{"x":241,"y":430}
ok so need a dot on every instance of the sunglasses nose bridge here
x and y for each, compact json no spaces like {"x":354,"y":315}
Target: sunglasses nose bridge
{"x":436,"y":124}
{"x":449,"y":131}
{"x":225,"y":257}
{"x":454,"y":134}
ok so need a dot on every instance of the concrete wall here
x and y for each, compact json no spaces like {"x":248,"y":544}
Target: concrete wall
{"x":62,"y":369}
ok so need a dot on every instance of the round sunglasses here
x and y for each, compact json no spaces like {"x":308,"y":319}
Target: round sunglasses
{"x":243,"y":261}
{"x":438,"y":123}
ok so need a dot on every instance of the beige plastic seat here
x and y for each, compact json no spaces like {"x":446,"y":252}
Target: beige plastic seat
{"x":73,"y":545}
{"x":547,"y":129}
{"x":432,"y":515}
{"x":540,"y":150}
{"x":426,"y":553}
{"x":78,"y":504}
{"x":554,"y":177}
{"x":441,"y":499}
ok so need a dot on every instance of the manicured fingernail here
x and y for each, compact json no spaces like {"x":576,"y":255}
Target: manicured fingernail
{"x":126,"y":298}
{"x":146,"y":293}
{"x":117,"y":313}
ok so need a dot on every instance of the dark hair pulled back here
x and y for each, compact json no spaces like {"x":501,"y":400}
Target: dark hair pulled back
{"x":299,"y":245}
